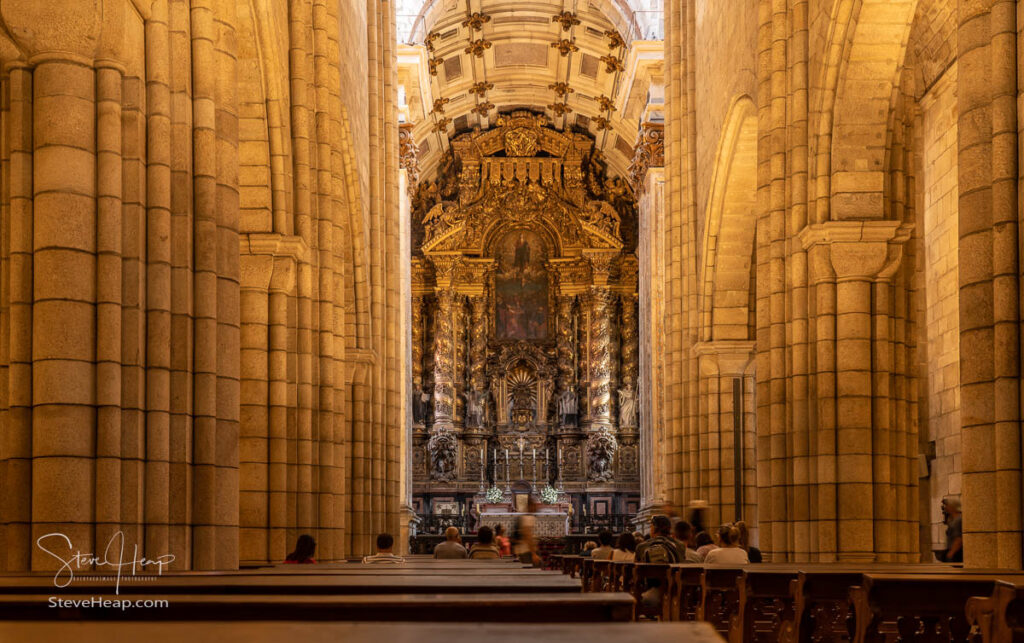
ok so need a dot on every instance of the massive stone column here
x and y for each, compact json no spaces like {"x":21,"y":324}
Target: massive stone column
{"x":121,"y":312}
{"x":990,"y":281}
{"x":863,"y":481}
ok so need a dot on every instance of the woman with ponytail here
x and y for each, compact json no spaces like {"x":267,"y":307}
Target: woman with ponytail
{"x":729,"y":551}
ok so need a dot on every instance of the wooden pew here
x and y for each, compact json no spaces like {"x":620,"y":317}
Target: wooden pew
{"x":681,"y":602}
{"x":307,"y":584}
{"x":572,"y":565}
{"x":642,"y":574}
{"x":601,"y":577}
{"x":495,"y":608}
{"x":276,"y":632}
{"x":999,"y":616}
{"x":719,"y":602}
{"x":902,"y":604}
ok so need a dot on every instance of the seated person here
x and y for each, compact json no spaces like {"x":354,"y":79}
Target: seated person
{"x":385,"y":553}
{"x":588,"y":548}
{"x":604,"y":552}
{"x":659,"y":548}
{"x":484,"y":546}
{"x":625,"y":549}
{"x":451,"y":547}
{"x":683,"y":533}
{"x":305,"y":547}
{"x":704,"y":544}
{"x":729,"y":551}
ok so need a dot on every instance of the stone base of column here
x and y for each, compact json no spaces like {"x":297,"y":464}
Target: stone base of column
{"x":642,"y":522}
{"x":406,"y":516}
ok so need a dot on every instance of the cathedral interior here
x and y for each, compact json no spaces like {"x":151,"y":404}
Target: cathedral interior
{"x":284,"y":267}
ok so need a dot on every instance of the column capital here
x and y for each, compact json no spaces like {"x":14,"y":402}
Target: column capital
{"x":854,"y":250}
{"x":727,"y":358}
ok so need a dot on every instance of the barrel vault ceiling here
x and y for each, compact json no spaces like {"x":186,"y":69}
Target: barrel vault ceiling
{"x":579,"y":62}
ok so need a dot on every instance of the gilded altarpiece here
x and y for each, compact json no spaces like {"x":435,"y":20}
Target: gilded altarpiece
{"x":524,"y":315}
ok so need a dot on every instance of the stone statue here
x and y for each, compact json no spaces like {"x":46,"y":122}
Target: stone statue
{"x":627,"y":407}
{"x":443,"y":448}
{"x":476,"y":409}
{"x":601,"y":447}
{"x":567,"y":407}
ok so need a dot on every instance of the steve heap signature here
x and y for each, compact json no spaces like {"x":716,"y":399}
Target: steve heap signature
{"x":113,"y":557}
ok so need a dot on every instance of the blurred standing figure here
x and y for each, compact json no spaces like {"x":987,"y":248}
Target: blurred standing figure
{"x":451,"y":547}
{"x":954,"y":530}
{"x":524,"y":544}
{"x":305,"y":547}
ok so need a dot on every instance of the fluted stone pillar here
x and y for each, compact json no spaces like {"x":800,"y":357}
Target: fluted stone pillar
{"x":653,"y":489}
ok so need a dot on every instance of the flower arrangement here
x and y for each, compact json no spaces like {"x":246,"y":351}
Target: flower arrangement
{"x":494,"y":495}
{"x":548,"y":495}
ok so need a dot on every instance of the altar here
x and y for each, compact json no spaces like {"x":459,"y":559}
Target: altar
{"x":548,"y":524}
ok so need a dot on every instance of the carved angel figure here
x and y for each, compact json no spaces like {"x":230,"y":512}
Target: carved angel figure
{"x":443,"y":447}
{"x":601,"y":447}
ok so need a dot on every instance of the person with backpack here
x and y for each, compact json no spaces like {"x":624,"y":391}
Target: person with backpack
{"x":659,"y":548}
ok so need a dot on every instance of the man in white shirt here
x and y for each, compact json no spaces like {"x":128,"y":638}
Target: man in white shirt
{"x":451,"y":547}
{"x":385,"y":553}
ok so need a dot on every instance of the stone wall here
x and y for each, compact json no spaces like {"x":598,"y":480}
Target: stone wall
{"x":942,"y":321}
{"x":188,"y":268}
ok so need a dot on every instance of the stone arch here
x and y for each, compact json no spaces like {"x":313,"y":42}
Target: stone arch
{"x":729,"y":233}
{"x":867,"y":44}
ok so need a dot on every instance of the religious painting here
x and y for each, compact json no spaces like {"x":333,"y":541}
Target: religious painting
{"x":521,"y":287}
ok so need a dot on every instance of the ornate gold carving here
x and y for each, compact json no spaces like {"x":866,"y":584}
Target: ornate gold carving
{"x":599,"y":301}
{"x":444,"y":360}
{"x":407,"y":154}
{"x":442,"y":124}
{"x":476,"y":20}
{"x":649,"y":152}
{"x":433,"y":64}
{"x":481,"y":88}
{"x":429,"y":41}
{"x":478,"y":47}
{"x":565,"y":46}
{"x":483,"y":108}
{"x":560,"y":109}
{"x":567,"y":19}
{"x":565,"y":341}
{"x":601,"y":123}
{"x":612,"y":63}
{"x":605,"y":103}
{"x":614,"y":39}
{"x":521,"y":141}
{"x":561,"y":89}
{"x":439,"y":104}
{"x":478,"y":342}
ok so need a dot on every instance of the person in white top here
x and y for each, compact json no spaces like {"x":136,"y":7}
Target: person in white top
{"x":625,"y":549}
{"x":729,"y":551}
